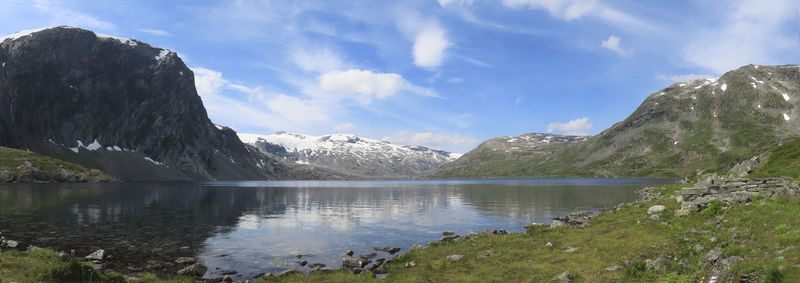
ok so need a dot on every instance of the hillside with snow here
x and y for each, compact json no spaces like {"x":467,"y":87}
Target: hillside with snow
{"x":351,"y":155}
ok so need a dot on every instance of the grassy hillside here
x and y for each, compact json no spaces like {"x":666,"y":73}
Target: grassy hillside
{"x":783,"y":161}
{"x":23,"y":166}
{"x":689,"y":126}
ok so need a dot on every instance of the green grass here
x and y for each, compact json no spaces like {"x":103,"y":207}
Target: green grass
{"x":11,"y":161}
{"x":783,"y":161}
{"x":45,"y":266}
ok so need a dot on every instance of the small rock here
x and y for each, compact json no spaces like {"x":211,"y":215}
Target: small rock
{"x":368,"y":257}
{"x":655,"y":209}
{"x":489,"y":232}
{"x":227,"y":279}
{"x":710,"y":258}
{"x":483,"y":256}
{"x":656,"y":265}
{"x":185,"y":260}
{"x":411,"y":264}
{"x":557,"y":223}
{"x":394,"y":250}
{"x":299,"y":256}
{"x":549,"y":245}
{"x":197,"y":270}
{"x":288,"y":272}
{"x":382,"y":268}
{"x":315,"y":265}
{"x":569,"y":249}
{"x":357,"y":270}
{"x":612,"y":268}
{"x":97,"y":255}
{"x":448,"y":238}
{"x":501,"y":232}
{"x":229,"y":272}
{"x":350,"y":263}
{"x":655,"y":217}
{"x":349,"y":253}
{"x":455,"y":257}
{"x":448,"y":233}
{"x":415,"y":247}
{"x":259,"y":275}
{"x":562,"y":278}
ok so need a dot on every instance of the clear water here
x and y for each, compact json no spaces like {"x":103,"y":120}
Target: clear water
{"x":260,"y":226}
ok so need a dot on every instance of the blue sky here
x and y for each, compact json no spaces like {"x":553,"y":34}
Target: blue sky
{"x":446,"y":74}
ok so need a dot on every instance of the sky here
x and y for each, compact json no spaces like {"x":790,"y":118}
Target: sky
{"x":447,"y":74}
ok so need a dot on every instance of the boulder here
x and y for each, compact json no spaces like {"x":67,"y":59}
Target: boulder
{"x":655,"y":209}
{"x":227,"y":279}
{"x":562,"y":278}
{"x":97,"y":255}
{"x":710,"y":258}
{"x":411,"y":264}
{"x":455,"y":257}
{"x":196,"y":270}
{"x":569,"y":249}
{"x":351,"y":263}
{"x":185,"y":260}
{"x":448,"y":238}
{"x":349,"y":253}
{"x":368,"y":257}
{"x":448,"y":233}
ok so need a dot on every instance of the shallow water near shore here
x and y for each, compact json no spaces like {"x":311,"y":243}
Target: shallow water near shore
{"x":261,"y":226}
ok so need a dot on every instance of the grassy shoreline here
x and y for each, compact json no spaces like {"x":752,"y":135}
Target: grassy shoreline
{"x":670,"y":249}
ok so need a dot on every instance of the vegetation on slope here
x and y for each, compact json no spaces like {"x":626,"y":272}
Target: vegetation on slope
{"x":23,"y":166}
{"x":783,"y":161}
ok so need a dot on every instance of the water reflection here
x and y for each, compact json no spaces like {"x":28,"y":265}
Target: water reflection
{"x":254,"y":227}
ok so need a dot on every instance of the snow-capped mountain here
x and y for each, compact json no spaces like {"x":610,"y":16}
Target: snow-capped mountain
{"x":350,"y":154}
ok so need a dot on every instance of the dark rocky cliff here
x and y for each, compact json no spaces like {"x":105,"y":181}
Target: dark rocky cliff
{"x":119,"y":105}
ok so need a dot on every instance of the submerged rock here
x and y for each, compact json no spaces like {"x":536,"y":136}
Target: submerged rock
{"x":185,"y":260}
{"x":196,"y":270}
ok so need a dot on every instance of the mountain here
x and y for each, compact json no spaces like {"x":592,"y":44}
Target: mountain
{"x":119,"y":105}
{"x":689,"y":126}
{"x":512,"y":156}
{"x":351,"y":155}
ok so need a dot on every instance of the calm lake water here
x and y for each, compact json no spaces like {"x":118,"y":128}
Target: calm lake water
{"x":255,"y":227}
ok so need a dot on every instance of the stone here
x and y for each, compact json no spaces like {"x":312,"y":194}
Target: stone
{"x":448,"y":233}
{"x":455,"y":257}
{"x":227,"y":279}
{"x":656,"y":264}
{"x":612,"y":268}
{"x":562,"y":278}
{"x":557,"y":223}
{"x":655,"y":209}
{"x":350,"y":263}
{"x":185,"y":260}
{"x":302,"y":263}
{"x":548,"y":245}
{"x":489,"y":232}
{"x":448,"y":238}
{"x":415,"y":247}
{"x":196,"y":270}
{"x":483,"y":256}
{"x":710,"y":258}
{"x":383,"y":268}
{"x":569,"y":249}
{"x":394,"y":250}
{"x":368,"y":257}
{"x":229,"y":272}
{"x":315,"y":265}
{"x":97,"y":255}
{"x":655,"y":217}
{"x":11,"y":243}
{"x":411,"y":264}
{"x":288,"y":272}
{"x":682,"y":212}
{"x":501,"y":232}
{"x":349,"y":253}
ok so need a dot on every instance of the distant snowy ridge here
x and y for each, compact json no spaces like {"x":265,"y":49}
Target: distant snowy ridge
{"x":351,"y":154}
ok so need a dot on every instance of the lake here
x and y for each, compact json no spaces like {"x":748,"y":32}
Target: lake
{"x":260,"y":226}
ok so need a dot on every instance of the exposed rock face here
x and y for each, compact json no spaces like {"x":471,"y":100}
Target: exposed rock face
{"x":730,"y":191}
{"x":699,"y":124}
{"x":115,"y":104}
{"x":351,"y":155}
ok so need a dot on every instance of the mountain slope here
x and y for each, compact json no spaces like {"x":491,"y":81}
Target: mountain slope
{"x":351,"y":155}
{"x":689,"y":126}
{"x":516,"y":156}
{"x":18,"y":166}
{"x":115,"y":104}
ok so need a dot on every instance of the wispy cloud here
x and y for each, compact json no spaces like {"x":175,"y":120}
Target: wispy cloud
{"x":156,"y":32}
{"x":578,"y":127}
{"x":752,"y":32}
{"x":429,"y":46}
{"x":683,"y":78}
{"x":62,"y":15}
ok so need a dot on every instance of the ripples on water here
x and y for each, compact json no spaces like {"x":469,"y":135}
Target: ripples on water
{"x":258,"y":226}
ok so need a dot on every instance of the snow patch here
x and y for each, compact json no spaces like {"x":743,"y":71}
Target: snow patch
{"x":153,"y":161}
{"x":23,"y":33}
{"x":94,"y":145}
{"x":123,"y":40}
{"x":724,"y":87}
{"x":180,"y":73}
{"x":163,"y":54}
{"x":785,"y":96}
{"x":754,"y":85}
{"x":511,"y":140}
{"x":674,"y":143}
{"x":785,"y":116}
{"x":759,"y":106}
{"x":218,"y":127}
{"x":4,"y":64}
{"x":75,"y":149}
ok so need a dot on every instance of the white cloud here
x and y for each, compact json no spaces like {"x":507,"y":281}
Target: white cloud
{"x":367,"y":85}
{"x":562,"y":9}
{"x":365,"y":82}
{"x":297,"y":110}
{"x":156,"y":32}
{"x":449,"y":142}
{"x":344,"y":127}
{"x":319,"y":60}
{"x":614,"y":43}
{"x":60,"y":15}
{"x":578,"y":127}
{"x":455,"y":80}
{"x":683,"y":78}
{"x":430,"y":45}
{"x":753,"y":32}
